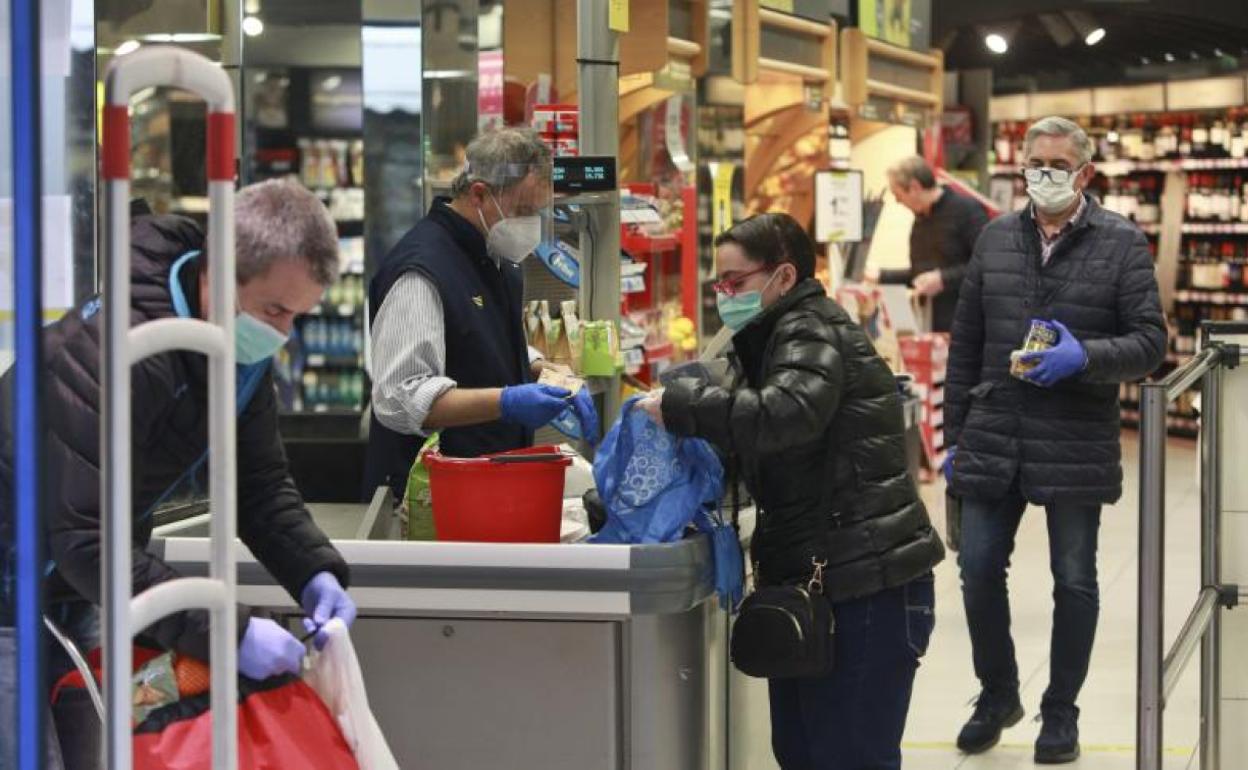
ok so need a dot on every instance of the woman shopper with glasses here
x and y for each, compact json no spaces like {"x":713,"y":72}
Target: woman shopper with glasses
{"x":813,"y":423}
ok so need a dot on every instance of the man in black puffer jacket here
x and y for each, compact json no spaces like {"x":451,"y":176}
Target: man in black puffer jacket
{"x":286,"y":255}
{"x":814,"y":422}
{"x":1052,"y":440}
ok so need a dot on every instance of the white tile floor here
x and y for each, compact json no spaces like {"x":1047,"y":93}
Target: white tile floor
{"x":946,"y":683}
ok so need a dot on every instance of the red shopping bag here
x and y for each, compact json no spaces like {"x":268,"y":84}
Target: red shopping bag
{"x":282,"y":723}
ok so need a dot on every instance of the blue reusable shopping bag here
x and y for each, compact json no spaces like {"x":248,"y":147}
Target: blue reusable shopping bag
{"x":654,"y":485}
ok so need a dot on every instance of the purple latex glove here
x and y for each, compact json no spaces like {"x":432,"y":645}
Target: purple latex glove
{"x":947,"y":467}
{"x":268,"y":650}
{"x":324,"y":598}
{"x":1065,"y":359}
{"x":533,"y":405}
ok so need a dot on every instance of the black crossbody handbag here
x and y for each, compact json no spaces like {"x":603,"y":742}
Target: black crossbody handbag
{"x":785,"y":631}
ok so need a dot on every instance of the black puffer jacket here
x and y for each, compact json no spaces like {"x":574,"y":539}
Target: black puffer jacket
{"x":170,"y":424}
{"x":817,"y":428}
{"x":1060,"y":443}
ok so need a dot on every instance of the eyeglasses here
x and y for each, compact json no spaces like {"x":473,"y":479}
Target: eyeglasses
{"x":1034,"y":174}
{"x":730,"y":286}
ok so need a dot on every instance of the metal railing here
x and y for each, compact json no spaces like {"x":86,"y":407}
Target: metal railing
{"x":1158,"y":675}
{"x":123,"y":347}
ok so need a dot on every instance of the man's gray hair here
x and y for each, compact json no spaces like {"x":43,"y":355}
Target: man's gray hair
{"x":1059,"y":126}
{"x":913,"y":169}
{"x":502,"y":159}
{"x":281,"y":219}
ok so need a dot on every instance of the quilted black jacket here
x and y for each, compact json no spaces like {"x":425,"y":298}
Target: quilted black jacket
{"x":815,"y":423}
{"x":1061,"y":443}
{"x":170,"y":424}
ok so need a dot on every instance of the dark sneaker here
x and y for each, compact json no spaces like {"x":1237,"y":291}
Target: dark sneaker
{"x":1059,"y":737}
{"x":993,"y":713}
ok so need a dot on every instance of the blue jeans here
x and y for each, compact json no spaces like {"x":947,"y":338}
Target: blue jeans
{"x":853,"y":719}
{"x":988,"y":532}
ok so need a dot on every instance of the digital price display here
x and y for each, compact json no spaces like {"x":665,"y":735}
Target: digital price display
{"x":592,"y":173}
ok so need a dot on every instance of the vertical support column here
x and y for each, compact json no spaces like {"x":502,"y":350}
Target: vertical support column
{"x":1153,"y":403}
{"x":1211,"y":567}
{"x":24,"y":111}
{"x":598,"y":86}
{"x":229,"y":17}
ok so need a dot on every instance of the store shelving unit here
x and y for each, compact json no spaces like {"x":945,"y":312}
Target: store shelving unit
{"x":303,"y":125}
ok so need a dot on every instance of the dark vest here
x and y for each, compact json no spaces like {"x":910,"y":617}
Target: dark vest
{"x":485,"y":340}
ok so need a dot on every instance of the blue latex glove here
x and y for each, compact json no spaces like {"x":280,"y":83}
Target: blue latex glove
{"x":268,"y":650}
{"x":533,"y":405}
{"x":1065,"y":359}
{"x":586,"y":415}
{"x":947,"y":467}
{"x":729,"y":567}
{"x":324,"y":598}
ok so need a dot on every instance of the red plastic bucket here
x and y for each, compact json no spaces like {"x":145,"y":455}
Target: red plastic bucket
{"x":482,"y":499}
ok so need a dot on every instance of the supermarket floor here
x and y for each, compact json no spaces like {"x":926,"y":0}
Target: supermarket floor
{"x":946,"y":684}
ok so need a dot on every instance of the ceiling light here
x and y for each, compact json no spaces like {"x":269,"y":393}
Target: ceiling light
{"x":181,"y":37}
{"x":331,"y":83}
{"x":1091,"y":32}
{"x":1145,"y":60}
{"x":1218,"y":53}
{"x":251,"y":7}
{"x":253,"y":26}
{"x":130,"y":46}
{"x":1169,"y":56}
{"x":996,"y":42}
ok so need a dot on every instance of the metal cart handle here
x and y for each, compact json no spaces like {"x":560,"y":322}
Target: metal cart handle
{"x":80,"y":663}
{"x":123,"y":346}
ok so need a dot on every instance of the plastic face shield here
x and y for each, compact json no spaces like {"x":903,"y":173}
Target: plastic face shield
{"x":522,"y":190}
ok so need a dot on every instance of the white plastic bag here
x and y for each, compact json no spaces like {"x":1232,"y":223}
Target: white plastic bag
{"x":335,"y":675}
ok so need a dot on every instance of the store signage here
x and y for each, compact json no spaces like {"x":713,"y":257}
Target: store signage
{"x":617,"y":15}
{"x":1206,"y":94}
{"x":722,"y":174}
{"x":838,"y":206}
{"x":905,"y":23}
{"x":587,"y":173}
{"x":1072,"y":103}
{"x":883,"y":110}
{"x":489,"y":90}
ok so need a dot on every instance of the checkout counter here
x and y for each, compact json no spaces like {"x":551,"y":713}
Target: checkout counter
{"x":569,"y":656}
{"x":563,"y":657}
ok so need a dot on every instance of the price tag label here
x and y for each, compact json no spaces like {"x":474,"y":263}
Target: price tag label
{"x":617,"y":18}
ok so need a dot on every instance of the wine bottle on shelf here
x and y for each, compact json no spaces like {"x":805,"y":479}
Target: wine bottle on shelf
{"x":1185,"y":138}
{"x":1200,"y":137}
{"x":1239,"y":139}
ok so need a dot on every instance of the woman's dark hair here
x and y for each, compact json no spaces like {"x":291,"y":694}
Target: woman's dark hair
{"x":773,"y":239}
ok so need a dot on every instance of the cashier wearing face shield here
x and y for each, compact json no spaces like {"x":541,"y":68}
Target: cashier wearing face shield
{"x":813,"y":422}
{"x":286,"y":254}
{"x":449,"y":351}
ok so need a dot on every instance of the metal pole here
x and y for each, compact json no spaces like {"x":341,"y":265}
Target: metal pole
{"x":598,"y":86}
{"x":24,"y":106}
{"x":1210,"y":567}
{"x":1194,"y":632}
{"x":1152,"y":579}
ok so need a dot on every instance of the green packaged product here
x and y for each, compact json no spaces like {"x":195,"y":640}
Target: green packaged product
{"x":418,"y":500}
{"x":153,"y":686}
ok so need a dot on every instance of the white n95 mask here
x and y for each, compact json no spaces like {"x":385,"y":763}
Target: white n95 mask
{"x":512,"y":238}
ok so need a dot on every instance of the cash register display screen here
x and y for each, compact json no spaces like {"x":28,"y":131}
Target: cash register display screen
{"x":584,"y":174}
